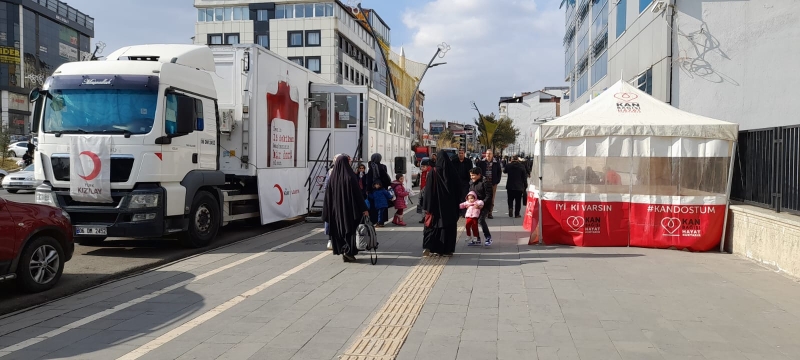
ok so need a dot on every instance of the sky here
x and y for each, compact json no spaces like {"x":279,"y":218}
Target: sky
{"x":497,"y":47}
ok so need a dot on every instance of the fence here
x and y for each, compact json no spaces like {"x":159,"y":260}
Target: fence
{"x":767,"y":169}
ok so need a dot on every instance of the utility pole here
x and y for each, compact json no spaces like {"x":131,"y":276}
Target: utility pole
{"x":441,"y":51}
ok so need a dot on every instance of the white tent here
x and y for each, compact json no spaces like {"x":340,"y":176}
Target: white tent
{"x":625,"y":146}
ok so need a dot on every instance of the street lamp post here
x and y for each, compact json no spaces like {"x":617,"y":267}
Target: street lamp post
{"x":441,"y":50}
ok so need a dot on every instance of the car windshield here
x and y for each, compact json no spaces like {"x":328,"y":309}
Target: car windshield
{"x":29,"y":168}
{"x":100,"y":111}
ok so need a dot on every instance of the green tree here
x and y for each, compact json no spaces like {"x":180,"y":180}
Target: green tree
{"x":446,"y":140}
{"x":504,"y":134}
{"x":5,"y":141}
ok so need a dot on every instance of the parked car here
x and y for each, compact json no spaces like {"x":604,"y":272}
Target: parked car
{"x":17,"y":149}
{"x":3,"y":174}
{"x":21,"y":180}
{"x":35,"y":242}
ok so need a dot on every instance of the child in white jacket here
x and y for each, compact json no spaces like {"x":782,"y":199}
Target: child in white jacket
{"x":473,"y":206}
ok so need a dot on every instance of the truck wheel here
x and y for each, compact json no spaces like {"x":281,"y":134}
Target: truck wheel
{"x":41,"y":264}
{"x":203,"y":221}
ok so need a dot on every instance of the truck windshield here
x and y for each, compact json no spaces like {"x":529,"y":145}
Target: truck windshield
{"x":95,"y":111}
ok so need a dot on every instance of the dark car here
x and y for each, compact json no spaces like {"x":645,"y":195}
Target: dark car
{"x":35,"y":242}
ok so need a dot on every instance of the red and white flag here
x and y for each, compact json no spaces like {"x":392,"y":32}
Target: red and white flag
{"x":90,"y":169}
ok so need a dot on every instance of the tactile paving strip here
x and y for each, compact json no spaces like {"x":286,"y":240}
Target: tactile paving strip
{"x":388,"y":330}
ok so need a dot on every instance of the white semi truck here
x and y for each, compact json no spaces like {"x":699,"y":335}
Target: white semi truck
{"x":161,"y":140}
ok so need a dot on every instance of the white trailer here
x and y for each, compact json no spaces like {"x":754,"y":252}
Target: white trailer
{"x":182,"y":139}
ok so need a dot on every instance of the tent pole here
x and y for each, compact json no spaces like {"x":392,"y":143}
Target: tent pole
{"x":728,"y":197}
{"x":541,"y":189}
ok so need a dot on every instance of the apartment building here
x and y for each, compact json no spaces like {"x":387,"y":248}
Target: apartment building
{"x":324,"y":36}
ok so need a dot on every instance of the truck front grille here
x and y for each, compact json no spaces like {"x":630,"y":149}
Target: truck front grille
{"x":120,"y":168}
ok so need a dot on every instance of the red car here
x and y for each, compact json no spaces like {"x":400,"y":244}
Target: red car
{"x":35,"y":242}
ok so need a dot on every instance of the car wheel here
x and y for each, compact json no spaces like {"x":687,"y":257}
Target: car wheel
{"x":10,"y":191}
{"x":204,"y":221}
{"x":41,"y":264}
{"x":90,"y":241}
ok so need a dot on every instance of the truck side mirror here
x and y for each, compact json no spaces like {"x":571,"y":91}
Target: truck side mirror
{"x":34,"y":94}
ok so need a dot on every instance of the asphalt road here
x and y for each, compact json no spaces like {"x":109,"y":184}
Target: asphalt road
{"x":114,"y":258}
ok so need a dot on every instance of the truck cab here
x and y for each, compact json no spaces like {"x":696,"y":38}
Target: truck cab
{"x":138,"y":132}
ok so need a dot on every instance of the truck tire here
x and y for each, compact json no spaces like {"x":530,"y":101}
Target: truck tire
{"x":204,"y":220}
{"x":40,"y":265}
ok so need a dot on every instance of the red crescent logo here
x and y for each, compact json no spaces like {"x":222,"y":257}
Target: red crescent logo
{"x":280,"y":191}
{"x":96,"y":169}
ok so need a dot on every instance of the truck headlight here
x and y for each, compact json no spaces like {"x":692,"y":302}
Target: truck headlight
{"x":45,"y":198}
{"x":143,"y":201}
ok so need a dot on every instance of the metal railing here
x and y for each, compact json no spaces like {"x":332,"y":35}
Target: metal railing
{"x":767,"y":169}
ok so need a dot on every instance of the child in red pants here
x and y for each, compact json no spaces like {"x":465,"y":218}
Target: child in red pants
{"x":473,"y":206}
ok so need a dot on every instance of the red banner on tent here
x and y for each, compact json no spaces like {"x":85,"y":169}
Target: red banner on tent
{"x":692,"y":227}
{"x":531,"y":220}
{"x":585,"y":223}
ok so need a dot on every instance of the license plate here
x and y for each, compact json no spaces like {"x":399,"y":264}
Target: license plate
{"x":15,"y":183}
{"x":91,"y":230}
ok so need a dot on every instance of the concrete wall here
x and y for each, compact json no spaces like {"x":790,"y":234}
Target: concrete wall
{"x":737,"y":61}
{"x":765,"y":237}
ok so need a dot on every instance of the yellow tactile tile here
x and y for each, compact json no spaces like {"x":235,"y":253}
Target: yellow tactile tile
{"x":389,"y":328}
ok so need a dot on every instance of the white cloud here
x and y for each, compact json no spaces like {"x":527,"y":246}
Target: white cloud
{"x":498,"y":48}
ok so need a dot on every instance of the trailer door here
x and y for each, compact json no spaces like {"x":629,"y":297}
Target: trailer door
{"x":343,"y":120}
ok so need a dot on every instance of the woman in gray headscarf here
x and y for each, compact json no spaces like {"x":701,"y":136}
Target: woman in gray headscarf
{"x":377,"y":172}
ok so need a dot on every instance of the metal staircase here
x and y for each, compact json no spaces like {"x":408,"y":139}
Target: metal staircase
{"x":316,"y":179}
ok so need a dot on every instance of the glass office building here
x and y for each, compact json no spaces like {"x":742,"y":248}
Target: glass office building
{"x":36,"y":36}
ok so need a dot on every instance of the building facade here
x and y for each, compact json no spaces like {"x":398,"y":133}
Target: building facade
{"x":419,"y":114}
{"x":711,"y":58}
{"x":324,"y":36}
{"x":531,"y":109}
{"x":36,"y":36}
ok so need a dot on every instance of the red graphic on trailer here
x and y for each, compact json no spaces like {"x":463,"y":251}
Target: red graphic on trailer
{"x":282,"y":115}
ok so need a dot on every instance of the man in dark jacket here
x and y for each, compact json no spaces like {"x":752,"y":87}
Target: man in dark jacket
{"x":481,"y":186}
{"x":463,"y":167}
{"x":516,"y":184}
{"x":493,"y":173}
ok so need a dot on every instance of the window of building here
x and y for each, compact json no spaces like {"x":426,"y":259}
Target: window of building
{"x":209,"y":14}
{"x":340,"y":69}
{"x":297,"y":60}
{"x":280,"y":11}
{"x":622,"y":7}
{"x":295,"y":38}
{"x":600,"y":68}
{"x":347,"y":72}
{"x":313,"y":38}
{"x":263,"y":40}
{"x":237,"y":13}
{"x":309,"y":10}
{"x":218,"y":14}
{"x":643,"y":4}
{"x":201,"y":15}
{"x":231,"y":39}
{"x":314,"y":63}
{"x":600,"y":22}
{"x":353,"y":75}
{"x":328,"y":9}
{"x":299,"y":11}
{"x":645,"y":81}
{"x":263,"y":15}
{"x":228,"y":14}
{"x":289,"y":13}
{"x":583,"y":84}
{"x":319,"y":10}
{"x":214,"y":39}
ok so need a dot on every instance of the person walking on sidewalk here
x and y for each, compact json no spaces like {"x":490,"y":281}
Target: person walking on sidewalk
{"x":463,"y":166}
{"x":400,"y":194}
{"x":425,"y":167}
{"x":343,"y":209}
{"x":441,"y":203}
{"x":481,"y":187}
{"x":492,"y":172}
{"x":380,"y":198}
{"x":516,"y":184}
{"x":473,"y":207}
{"x":377,"y":172}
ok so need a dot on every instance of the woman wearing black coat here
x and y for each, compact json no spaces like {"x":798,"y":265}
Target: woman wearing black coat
{"x":377,"y":171}
{"x":343,"y":209}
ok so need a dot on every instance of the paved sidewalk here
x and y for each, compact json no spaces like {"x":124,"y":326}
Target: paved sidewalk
{"x":509,"y":301}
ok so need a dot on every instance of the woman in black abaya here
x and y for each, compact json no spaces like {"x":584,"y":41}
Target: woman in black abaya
{"x":441,"y":200}
{"x":343,"y":209}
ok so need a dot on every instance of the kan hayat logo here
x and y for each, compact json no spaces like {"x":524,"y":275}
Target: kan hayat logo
{"x":687,"y":227}
{"x":585,"y":225}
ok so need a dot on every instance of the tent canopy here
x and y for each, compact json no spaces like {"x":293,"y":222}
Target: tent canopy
{"x":624,"y":110}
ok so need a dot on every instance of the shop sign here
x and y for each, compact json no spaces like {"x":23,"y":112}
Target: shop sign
{"x":9,"y":55}
{"x":17,"y":102}
{"x":67,"y":52}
